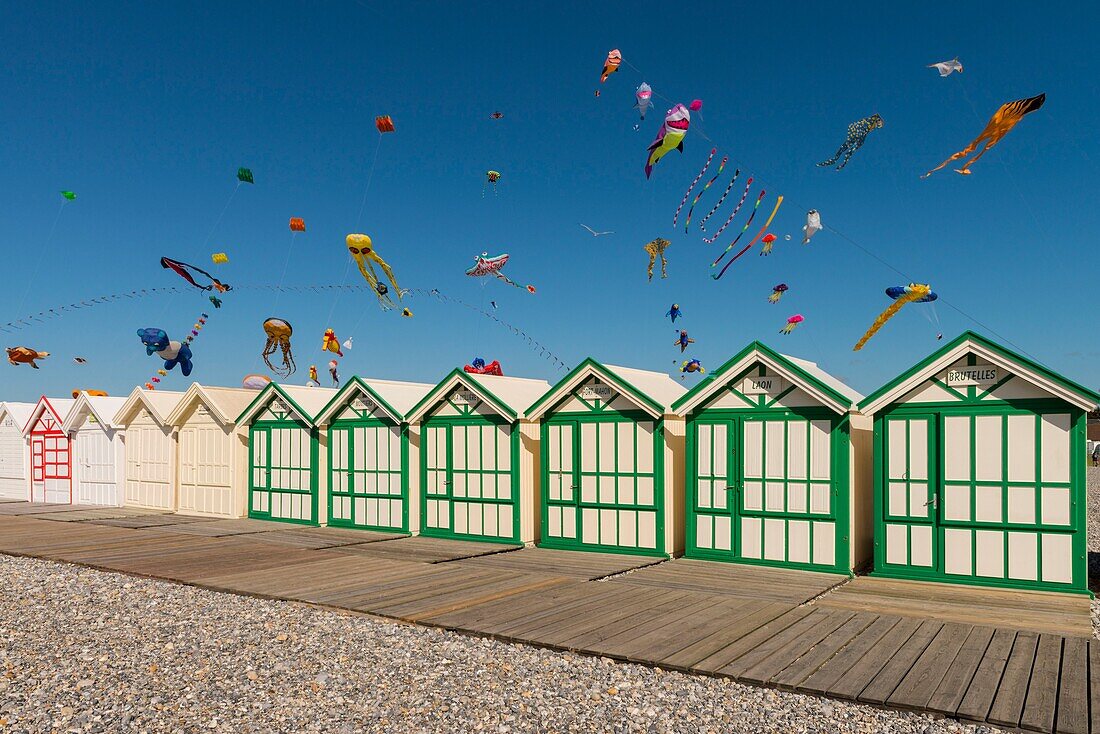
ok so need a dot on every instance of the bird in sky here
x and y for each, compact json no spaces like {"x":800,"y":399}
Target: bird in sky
{"x":594,"y":233}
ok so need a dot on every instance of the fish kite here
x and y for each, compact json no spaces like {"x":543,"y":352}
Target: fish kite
{"x":692,"y":365}
{"x":683,"y":340}
{"x":857,"y":136}
{"x":362,"y":251}
{"x":479,"y":367}
{"x":611,"y":65}
{"x":484,"y":266}
{"x":219,"y":258}
{"x":297,"y":224}
{"x":674,"y":312}
{"x":946,"y":67}
{"x":999,"y":125}
{"x":185,"y":271}
{"x":69,"y":195}
{"x":156,"y":342}
{"x":244,"y":175}
{"x":384,"y":123}
{"x":777,"y":293}
{"x":669,"y":137}
{"x":812,"y":226}
{"x":912,"y":293}
{"x":656,"y":249}
{"x":792,"y":322}
{"x":25,"y":355}
{"x":644,"y":97}
{"x":329,"y":343}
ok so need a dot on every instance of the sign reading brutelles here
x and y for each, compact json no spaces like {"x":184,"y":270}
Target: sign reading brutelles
{"x":978,"y":374}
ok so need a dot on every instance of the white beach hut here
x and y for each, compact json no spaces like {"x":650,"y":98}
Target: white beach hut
{"x":98,"y":450}
{"x":150,"y":478}
{"x":14,"y":477}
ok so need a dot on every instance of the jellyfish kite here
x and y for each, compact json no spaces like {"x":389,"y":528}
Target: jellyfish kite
{"x":777,"y":293}
{"x":912,"y":293}
{"x":669,"y":137}
{"x":644,"y":97}
{"x":362,"y":251}
{"x":767,"y":243}
{"x":278,"y":333}
{"x":792,"y":322}
{"x":999,"y":125}
{"x":611,"y":65}
{"x":485,"y":266}
{"x":491,"y":178}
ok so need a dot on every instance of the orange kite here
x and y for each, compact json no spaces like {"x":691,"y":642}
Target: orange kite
{"x":611,"y":65}
{"x":1000,"y":124}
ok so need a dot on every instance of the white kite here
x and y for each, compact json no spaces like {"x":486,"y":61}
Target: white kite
{"x":347,"y":343}
{"x":594,"y":233}
{"x":812,"y":226}
{"x":946,"y":67}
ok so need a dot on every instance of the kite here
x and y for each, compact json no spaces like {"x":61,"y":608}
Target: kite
{"x":156,"y":342}
{"x":746,"y":248}
{"x":493,"y":304}
{"x":729,"y":219}
{"x":278,"y":338}
{"x":255,"y":382}
{"x":496,"y":115}
{"x":219,"y":258}
{"x":644,"y":97}
{"x":812,"y":226}
{"x":696,"y":105}
{"x":721,"y":165}
{"x":594,"y":233}
{"x":857,"y":136}
{"x":297,"y":224}
{"x":695,"y":181}
{"x":744,"y":229}
{"x":406,"y":313}
{"x":692,"y":365}
{"x":777,"y":293}
{"x":216,"y":301}
{"x":946,"y":67}
{"x":244,"y":175}
{"x":611,"y":65}
{"x":329,"y":343}
{"x":792,"y":322}
{"x":766,"y":244}
{"x":79,"y":360}
{"x":656,"y":249}
{"x":185,"y":271}
{"x":485,"y":265}
{"x":69,"y":195}
{"x":347,"y":343}
{"x":683,"y":340}
{"x":384,"y":123}
{"x":674,"y":312}
{"x":912,"y":293}
{"x":333,"y":373}
{"x":491,"y":178}
{"x":25,"y":355}
{"x":479,"y":367}
{"x":91,"y":393}
{"x":999,"y":125}
{"x":669,"y":137}
{"x":312,"y":381}
{"x":362,"y":250}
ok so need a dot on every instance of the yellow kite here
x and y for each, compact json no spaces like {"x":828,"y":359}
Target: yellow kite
{"x":1000,"y":124}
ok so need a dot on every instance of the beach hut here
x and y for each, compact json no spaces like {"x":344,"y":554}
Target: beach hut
{"x":285,"y":460}
{"x":612,"y":461}
{"x":50,"y":462}
{"x":97,"y":450}
{"x":212,"y":451}
{"x":150,"y":477}
{"x":778,"y":465}
{"x":372,"y":454}
{"x":14,"y":477}
{"x":478,"y":455}
{"x":980,"y":470}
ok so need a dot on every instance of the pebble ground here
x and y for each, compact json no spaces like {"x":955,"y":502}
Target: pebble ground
{"x":1092,"y":477}
{"x":85,"y":651}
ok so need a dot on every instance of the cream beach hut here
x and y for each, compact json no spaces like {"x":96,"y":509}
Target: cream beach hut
{"x":479,"y":458}
{"x":150,"y":476}
{"x":980,"y":470}
{"x":373,"y":455}
{"x":212,"y":451}
{"x":612,"y":461}
{"x":778,"y":465}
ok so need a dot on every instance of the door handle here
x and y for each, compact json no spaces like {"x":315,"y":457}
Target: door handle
{"x":574,"y":486}
{"x":934,"y":502}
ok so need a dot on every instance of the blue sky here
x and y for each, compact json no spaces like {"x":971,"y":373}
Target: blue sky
{"x":146,"y":110}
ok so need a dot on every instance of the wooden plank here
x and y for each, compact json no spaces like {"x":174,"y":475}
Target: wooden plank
{"x":519,"y":627}
{"x":717,"y":577}
{"x":1009,"y":702}
{"x":892,"y":673}
{"x":987,"y":678}
{"x":473,"y":619}
{"x":640,"y":639}
{"x":760,"y":666}
{"x":740,"y":642}
{"x":851,"y":669}
{"x":920,"y":683}
{"x":725,"y":632}
{"x":956,"y":680}
{"x":596,"y":633}
{"x":508,"y":589}
{"x":811,"y":661}
{"x":558,"y":633}
{"x":1042,"y":693}
{"x":426,"y":549}
{"x":577,"y":564}
{"x":1073,"y":690}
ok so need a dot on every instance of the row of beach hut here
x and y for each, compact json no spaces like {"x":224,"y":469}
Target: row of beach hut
{"x":967,"y":468}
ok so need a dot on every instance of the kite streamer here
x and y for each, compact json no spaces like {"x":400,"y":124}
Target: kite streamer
{"x":721,"y":165}
{"x":746,"y":248}
{"x":915,"y":292}
{"x":756,"y":206}
{"x":744,"y":195}
{"x":693,"y":183}
{"x":703,"y":224}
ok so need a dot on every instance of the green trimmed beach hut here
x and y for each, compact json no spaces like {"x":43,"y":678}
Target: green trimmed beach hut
{"x":285,"y":459}
{"x":778,"y":465}
{"x":980,"y":470}
{"x":371,"y":467}
{"x":478,"y":454}
{"x":611,"y":469}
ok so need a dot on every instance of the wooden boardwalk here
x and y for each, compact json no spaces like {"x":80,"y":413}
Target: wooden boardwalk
{"x":869,"y":640}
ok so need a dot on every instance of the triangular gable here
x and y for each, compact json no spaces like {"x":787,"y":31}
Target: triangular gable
{"x":763,"y":378}
{"x":274,"y":403}
{"x":17,"y":413}
{"x":973,"y":368}
{"x":465,"y":396}
{"x":55,"y":410}
{"x":158,"y":404}
{"x":100,"y":410}
{"x":357,"y":400}
{"x":592,"y":388}
{"x":224,"y":404}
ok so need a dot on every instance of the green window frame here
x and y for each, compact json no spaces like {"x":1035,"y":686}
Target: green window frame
{"x":271,"y":474}
{"x":348,"y":496}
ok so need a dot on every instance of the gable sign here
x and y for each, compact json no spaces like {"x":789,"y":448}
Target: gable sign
{"x":363,"y":404}
{"x":8,"y":422}
{"x":979,"y":374}
{"x":278,"y":405}
{"x":596,"y":391}
{"x":465,"y":397}
{"x":763,"y":385}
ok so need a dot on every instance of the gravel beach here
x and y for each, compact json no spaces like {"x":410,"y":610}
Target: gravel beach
{"x":1092,"y":522}
{"x":90,"y":651}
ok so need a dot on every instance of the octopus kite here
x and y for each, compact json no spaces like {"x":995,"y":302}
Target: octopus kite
{"x":25,"y":355}
{"x":484,"y":266}
{"x":912,"y":293}
{"x":611,"y":65}
{"x":999,"y":125}
{"x":857,"y":136}
{"x":669,"y":137}
{"x":278,"y":338}
{"x":683,"y":340}
{"x":656,"y":249}
{"x":792,"y":322}
{"x":362,"y":250}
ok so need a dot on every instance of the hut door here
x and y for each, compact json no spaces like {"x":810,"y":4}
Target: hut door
{"x":715,"y":462}
{"x":365,"y":477}
{"x":259,"y":473}
{"x":38,"y":471}
{"x":911,"y":504}
{"x":560,"y":521}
